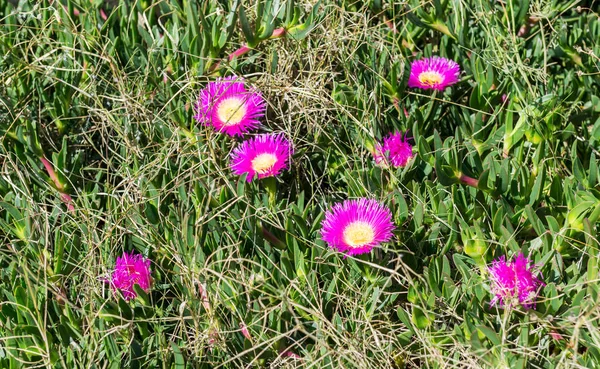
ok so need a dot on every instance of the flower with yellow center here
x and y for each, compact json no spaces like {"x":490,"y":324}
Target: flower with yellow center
{"x":431,"y":78}
{"x":231,"y":111}
{"x":229,"y":106}
{"x":262,"y":163}
{"x":262,"y":156}
{"x":357,"y":226}
{"x":435,"y":73}
{"x":358,"y":234}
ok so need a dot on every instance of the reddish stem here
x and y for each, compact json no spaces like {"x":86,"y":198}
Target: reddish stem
{"x":272,"y":239}
{"x":51,"y":173}
{"x":391,"y":25}
{"x":396,"y":103}
{"x":278,"y":33}
{"x":66,"y":198}
{"x":244,"y":49}
{"x":239,"y":52}
{"x":77,"y":13}
{"x":214,"y":67}
{"x":469,"y":181}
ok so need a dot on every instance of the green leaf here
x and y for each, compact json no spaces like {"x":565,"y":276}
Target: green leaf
{"x":179,"y":360}
{"x":229,"y":25}
{"x":248,"y":33}
{"x":241,"y":185}
{"x":535,"y":221}
{"x":592,"y":180}
{"x":490,"y":334}
{"x":420,"y":319}
{"x":301,"y":31}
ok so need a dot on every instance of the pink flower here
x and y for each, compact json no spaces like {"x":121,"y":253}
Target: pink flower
{"x":514,"y":280}
{"x":263,"y":156}
{"x":131,"y":269}
{"x":357,"y":226}
{"x":229,"y":107}
{"x":395,"y":150}
{"x":433,"y":73}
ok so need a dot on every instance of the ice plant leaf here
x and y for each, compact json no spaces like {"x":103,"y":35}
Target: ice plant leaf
{"x":443,"y":28}
{"x":420,"y":318}
{"x":301,"y":31}
{"x":490,"y":334}
{"x":179,"y":360}
{"x":446,"y":175}
{"x":246,"y":27}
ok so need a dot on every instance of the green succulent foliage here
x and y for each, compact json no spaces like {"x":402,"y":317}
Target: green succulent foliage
{"x":97,"y":112}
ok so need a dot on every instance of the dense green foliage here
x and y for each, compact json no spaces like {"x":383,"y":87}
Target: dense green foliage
{"x":105,"y":92}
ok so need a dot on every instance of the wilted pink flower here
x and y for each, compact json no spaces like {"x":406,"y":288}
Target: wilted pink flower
{"x":131,"y":269}
{"x":555,"y":335}
{"x":204,"y":296}
{"x":245,"y":331}
{"x":433,"y":73}
{"x":395,"y":151}
{"x":514,"y":279}
{"x":265,"y":155}
{"x":379,"y":155}
{"x":229,"y":107}
{"x":292,"y":355}
{"x":356,"y":226}
{"x":213,"y":337}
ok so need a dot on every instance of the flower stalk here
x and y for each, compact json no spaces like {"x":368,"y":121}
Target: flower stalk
{"x":66,"y":198}
{"x":271,"y":238}
{"x":244,"y":49}
{"x":469,"y":181}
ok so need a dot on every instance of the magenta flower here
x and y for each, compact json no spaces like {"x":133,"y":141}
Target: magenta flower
{"x":356,"y":226}
{"x":131,"y":269}
{"x":229,"y":107}
{"x":395,"y":150}
{"x":265,"y":155}
{"x":514,"y":280}
{"x":433,"y":73}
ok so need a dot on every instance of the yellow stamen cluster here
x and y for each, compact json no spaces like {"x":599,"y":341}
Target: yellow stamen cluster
{"x":263,"y":162}
{"x":231,"y":111}
{"x":358,"y":234}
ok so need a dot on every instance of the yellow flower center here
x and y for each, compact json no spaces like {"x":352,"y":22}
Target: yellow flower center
{"x":430,"y":78}
{"x":358,"y":234}
{"x":263,"y":162}
{"x":231,"y":111}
